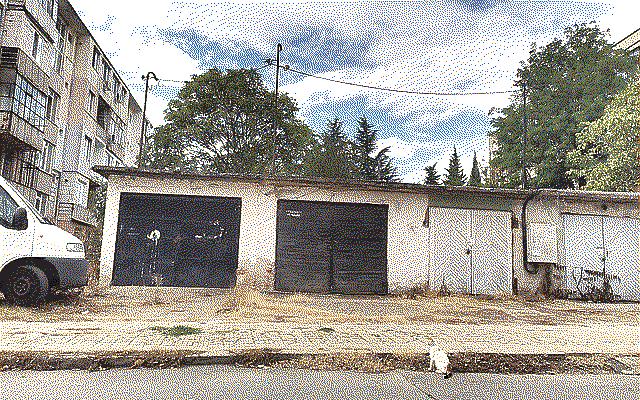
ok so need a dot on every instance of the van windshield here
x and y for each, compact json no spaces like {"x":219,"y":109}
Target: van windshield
{"x":27,"y":204}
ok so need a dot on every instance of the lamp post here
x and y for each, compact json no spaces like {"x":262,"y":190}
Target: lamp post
{"x":144,"y":112}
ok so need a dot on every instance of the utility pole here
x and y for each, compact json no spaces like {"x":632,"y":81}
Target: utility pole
{"x":275,"y":111}
{"x":144,"y":113}
{"x":524,"y":135}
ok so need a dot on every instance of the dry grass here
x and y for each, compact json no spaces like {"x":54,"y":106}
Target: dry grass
{"x":252,"y":301}
{"x":44,"y":361}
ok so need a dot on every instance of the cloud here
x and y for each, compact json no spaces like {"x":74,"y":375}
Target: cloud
{"x":445,"y":46}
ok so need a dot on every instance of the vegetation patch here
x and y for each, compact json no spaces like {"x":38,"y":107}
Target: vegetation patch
{"x":43,"y":361}
{"x":176,"y":331}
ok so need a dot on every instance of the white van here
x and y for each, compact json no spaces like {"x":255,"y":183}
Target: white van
{"x":35,"y":255}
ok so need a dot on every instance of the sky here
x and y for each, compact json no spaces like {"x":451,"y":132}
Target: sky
{"x":449,"y":46}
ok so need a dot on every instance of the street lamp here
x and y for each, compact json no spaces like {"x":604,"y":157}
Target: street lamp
{"x":144,"y":112}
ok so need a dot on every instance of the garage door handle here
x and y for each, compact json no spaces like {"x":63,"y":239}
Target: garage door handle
{"x":468,"y":251}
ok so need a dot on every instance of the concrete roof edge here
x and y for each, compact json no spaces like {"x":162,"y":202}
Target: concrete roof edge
{"x":625,"y":197}
{"x":374,"y":185}
{"x":304,"y":181}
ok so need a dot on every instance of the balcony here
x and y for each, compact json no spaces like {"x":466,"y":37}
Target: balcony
{"x":76,"y":212}
{"x":40,"y":15}
{"x":18,"y":132}
{"x":15,"y":59}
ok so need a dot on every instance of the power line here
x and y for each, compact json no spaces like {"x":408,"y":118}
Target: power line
{"x":182,"y":81}
{"x":287,"y":68}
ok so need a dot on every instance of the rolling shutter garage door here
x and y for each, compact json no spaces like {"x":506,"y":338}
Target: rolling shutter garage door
{"x":183,"y":241}
{"x":331,"y":247}
{"x":470,"y":250}
{"x":594,"y":244}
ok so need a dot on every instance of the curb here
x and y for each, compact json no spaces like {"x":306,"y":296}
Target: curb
{"x":364,"y":362}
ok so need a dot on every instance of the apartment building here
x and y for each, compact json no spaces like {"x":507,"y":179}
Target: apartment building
{"x":631,"y":43}
{"x":63,"y":109}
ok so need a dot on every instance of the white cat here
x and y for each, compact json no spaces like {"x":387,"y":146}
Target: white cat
{"x":439,"y":361}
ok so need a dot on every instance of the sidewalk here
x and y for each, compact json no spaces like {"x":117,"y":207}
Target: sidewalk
{"x":221,"y":338}
{"x":225,"y":324}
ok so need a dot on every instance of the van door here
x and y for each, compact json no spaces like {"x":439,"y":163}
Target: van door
{"x":14,"y":244}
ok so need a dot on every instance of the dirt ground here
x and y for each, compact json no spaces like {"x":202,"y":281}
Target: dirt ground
{"x":201,"y":305}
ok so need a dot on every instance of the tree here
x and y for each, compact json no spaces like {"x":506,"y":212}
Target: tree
{"x":365,"y":145}
{"x":432,"y":177}
{"x":455,"y":175}
{"x":384,"y":168}
{"x":475,"y":179}
{"x":332,"y":155}
{"x":607,"y":156}
{"x":223,"y":122}
{"x":566,"y":83}
{"x":370,"y":164}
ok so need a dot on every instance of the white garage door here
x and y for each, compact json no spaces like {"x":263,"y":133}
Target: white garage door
{"x":470,"y":250}
{"x":594,"y":244}
{"x":450,"y":238}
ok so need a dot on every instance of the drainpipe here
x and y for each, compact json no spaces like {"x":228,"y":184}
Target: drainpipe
{"x":525,"y":251}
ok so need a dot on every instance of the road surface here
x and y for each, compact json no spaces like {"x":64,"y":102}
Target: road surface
{"x":225,"y":382}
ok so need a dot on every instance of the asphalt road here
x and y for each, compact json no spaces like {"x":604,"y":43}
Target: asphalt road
{"x":223,"y":382}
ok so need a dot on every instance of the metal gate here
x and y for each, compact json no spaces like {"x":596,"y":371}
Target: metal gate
{"x":184,"y":241}
{"x":470,"y":250}
{"x":331,"y":247}
{"x":597,"y":247}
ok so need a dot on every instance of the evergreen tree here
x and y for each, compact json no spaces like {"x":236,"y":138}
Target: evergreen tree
{"x":332,"y":156}
{"x":365,"y":145}
{"x":384,"y":168}
{"x":432,"y":177}
{"x":455,"y":174}
{"x":371,"y":165}
{"x":475,"y":179}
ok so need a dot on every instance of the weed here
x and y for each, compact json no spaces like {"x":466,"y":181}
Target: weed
{"x":176,"y":331}
{"x":257,"y":358}
{"x":416,"y":291}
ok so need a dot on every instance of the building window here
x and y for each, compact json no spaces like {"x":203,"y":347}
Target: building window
{"x":41,"y":203}
{"x":116,"y":89}
{"x":96,"y":58}
{"x":62,"y":31}
{"x":92,"y":103}
{"x":48,"y":6}
{"x":104,"y":115}
{"x":106,"y":74}
{"x":47,"y":156}
{"x":36,"y":44}
{"x":88,"y":145}
{"x":29,"y":103}
{"x":52,"y":105}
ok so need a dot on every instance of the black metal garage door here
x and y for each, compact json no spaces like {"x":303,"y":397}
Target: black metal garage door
{"x":184,"y":241}
{"x":331,"y":247}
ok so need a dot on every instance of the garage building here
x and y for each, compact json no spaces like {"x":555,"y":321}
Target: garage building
{"x":307,"y":235}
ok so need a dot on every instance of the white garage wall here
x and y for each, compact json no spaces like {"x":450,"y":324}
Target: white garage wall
{"x":408,"y":255}
{"x":548,"y":208}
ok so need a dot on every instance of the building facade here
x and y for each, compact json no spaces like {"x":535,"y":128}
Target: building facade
{"x":631,"y":43}
{"x":366,"y":237}
{"x":63,"y":109}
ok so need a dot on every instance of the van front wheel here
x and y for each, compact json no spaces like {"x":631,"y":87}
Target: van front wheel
{"x":26,"y":285}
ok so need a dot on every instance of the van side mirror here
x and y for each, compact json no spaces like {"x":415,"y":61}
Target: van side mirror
{"x":20,"y":221}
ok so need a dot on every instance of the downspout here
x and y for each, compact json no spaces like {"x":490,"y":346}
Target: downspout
{"x":525,"y":251}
